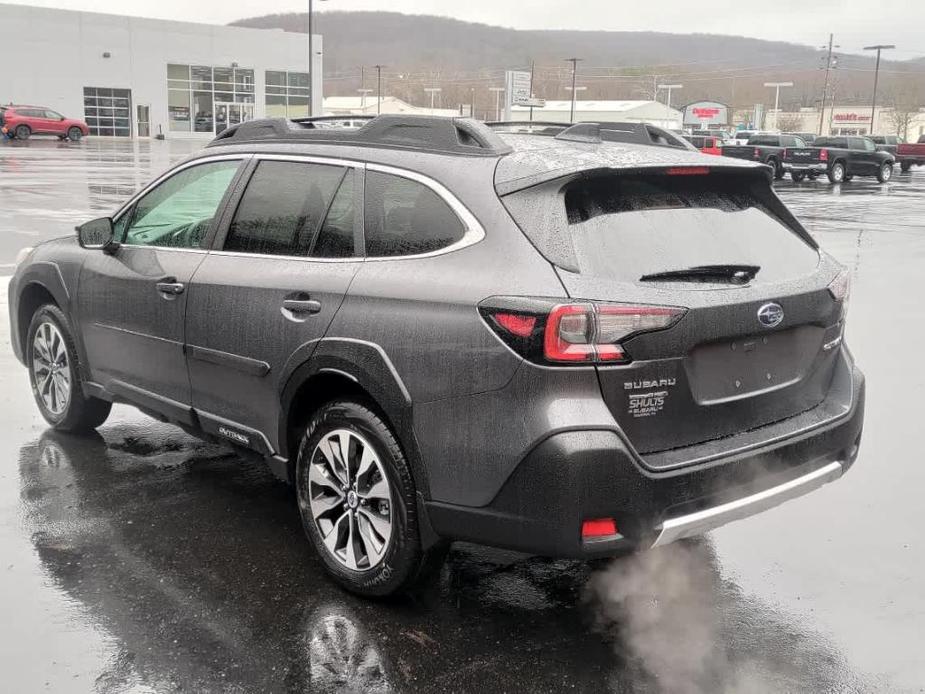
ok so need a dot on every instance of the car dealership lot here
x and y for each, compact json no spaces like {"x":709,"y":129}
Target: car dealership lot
{"x":145,"y":560}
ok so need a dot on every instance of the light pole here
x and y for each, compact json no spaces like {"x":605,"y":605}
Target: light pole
{"x":433,"y":91}
{"x":669,"y":87}
{"x":498,"y":91}
{"x":777,"y":86}
{"x":311,"y":57}
{"x":574,"y":62}
{"x":363,"y":93}
{"x":379,"y":89}
{"x":873,"y":102}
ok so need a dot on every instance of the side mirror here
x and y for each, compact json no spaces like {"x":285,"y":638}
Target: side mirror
{"x":97,"y":234}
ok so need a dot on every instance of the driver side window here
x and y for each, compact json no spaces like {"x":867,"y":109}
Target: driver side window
{"x":178,"y":212}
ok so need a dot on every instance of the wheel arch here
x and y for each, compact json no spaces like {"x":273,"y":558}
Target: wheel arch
{"x":34,"y":292}
{"x":341,"y":367}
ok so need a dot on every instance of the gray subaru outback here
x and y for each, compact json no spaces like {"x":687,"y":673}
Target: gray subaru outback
{"x":574,"y":341}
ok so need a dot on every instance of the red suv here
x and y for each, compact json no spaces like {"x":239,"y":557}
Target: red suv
{"x":22,"y":121}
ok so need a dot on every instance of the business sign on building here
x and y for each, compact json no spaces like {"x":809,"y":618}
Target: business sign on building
{"x":706,"y":113}
{"x":851,"y":118}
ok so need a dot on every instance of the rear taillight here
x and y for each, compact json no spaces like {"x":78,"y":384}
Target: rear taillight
{"x":579,"y":333}
{"x":783,"y":155}
{"x":824,"y":155}
{"x":757,"y":153}
{"x":840,"y":289}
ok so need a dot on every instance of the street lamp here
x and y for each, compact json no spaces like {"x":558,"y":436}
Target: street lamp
{"x":433,"y":91}
{"x":311,"y":58}
{"x":363,"y":93}
{"x":498,"y":92}
{"x":574,"y":62}
{"x":379,"y":88}
{"x":777,"y":86}
{"x":669,"y":87}
{"x":873,"y":102}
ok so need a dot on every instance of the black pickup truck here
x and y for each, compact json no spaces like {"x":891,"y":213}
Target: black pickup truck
{"x":768,"y":149}
{"x":840,"y":158}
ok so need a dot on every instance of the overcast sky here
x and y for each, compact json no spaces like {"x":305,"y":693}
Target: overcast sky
{"x":856,"y":23}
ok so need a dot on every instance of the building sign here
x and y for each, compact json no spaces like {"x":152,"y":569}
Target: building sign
{"x":705,"y":113}
{"x":852,"y":118}
{"x":518,"y":87}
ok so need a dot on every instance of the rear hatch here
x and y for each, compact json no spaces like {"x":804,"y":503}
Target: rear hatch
{"x":750,"y":348}
{"x":803,"y":155}
{"x":740,"y":152}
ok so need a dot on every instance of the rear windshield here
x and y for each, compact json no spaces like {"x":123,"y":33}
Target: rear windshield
{"x":831,"y":142}
{"x":623,"y":227}
{"x":764,"y":140}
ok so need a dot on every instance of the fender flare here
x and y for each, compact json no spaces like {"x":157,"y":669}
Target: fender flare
{"x":367,"y":365}
{"x":47,"y":275}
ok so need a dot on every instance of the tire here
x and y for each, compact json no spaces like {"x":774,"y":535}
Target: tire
{"x":22,"y":132}
{"x":54,"y":372}
{"x":74,"y":134}
{"x":885,"y":172}
{"x":837,"y":173}
{"x":373,"y":548}
{"x":797,"y":176}
{"x":848,"y":178}
{"x":778,"y":169}
{"x":905,"y":167}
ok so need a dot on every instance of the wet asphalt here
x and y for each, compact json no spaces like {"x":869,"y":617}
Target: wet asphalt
{"x":144,"y":560}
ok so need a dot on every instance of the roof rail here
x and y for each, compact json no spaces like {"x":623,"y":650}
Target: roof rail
{"x":437,"y":134}
{"x":592,"y":132}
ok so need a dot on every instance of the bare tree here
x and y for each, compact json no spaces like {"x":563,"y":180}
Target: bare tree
{"x":789,"y":122}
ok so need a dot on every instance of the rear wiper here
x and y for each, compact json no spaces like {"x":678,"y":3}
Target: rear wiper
{"x":735,"y":274}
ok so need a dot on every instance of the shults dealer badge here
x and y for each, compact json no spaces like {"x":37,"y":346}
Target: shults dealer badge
{"x":650,"y":400}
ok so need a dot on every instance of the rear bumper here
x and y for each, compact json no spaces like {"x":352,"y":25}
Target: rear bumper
{"x":579,"y":475}
{"x":790,"y":166}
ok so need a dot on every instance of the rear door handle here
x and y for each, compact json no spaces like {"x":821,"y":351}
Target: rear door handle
{"x":302,"y":305}
{"x":173,"y":288}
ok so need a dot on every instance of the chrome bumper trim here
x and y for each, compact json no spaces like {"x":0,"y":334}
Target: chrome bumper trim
{"x":708,"y":519}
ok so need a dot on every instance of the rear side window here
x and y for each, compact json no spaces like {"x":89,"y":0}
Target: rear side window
{"x":623,"y":227}
{"x":764,"y":140}
{"x":283,"y":208}
{"x":405,"y":217}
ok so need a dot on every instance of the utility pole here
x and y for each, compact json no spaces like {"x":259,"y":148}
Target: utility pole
{"x":873,"y":102}
{"x":825,"y":87}
{"x":311,"y":58}
{"x":433,"y":91}
{"x":472,"y":104}
{"x":669,"y":87}
{"x":498,"y":91}
{"x":777,"y":86}
{"x":532,"y":73}
{"x":574,"y":62}
{"x":379,"y":89}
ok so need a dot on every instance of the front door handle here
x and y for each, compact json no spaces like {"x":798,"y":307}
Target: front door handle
{"x":172,"y":288}
{"x":302,"y":305}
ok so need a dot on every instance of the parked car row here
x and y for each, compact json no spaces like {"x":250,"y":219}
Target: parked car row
{"x":804,"y":155}
{"x":22,"y":122}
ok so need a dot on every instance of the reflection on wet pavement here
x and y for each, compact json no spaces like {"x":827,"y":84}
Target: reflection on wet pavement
{"x":144,"y":560}
{"x":194,"y":562}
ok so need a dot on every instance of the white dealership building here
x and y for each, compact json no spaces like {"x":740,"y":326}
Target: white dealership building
{"x":134,"y":77}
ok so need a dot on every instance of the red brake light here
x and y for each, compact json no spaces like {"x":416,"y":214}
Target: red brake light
{"x":569,"y":333}
{"x":824,"y":155}
{"x":516,"y":324}
{"x":594,"y":332}
{"x":688,"y":171}
{"x":783,"y":155}
{"x":598,"y":527}
{"x":757,"y":153}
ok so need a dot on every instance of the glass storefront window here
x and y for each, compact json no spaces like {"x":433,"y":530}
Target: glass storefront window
{"x":178,"y":110}
{"x":199,"y":97}
{"x":287,"y":94}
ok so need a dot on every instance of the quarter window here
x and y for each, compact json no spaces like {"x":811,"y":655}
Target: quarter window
{"x":404,"y":217}
{"x":179,"y":212}
{"x":283,"y":208}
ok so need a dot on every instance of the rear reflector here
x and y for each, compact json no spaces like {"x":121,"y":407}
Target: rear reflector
{"x":598,"y":527}
{"x":688,"y":171}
